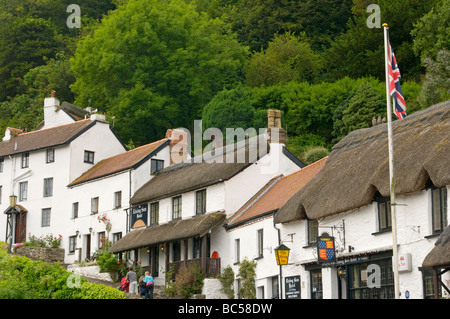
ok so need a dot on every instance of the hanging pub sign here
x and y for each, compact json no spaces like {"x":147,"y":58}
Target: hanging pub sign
{"x":325,"y":248}
{"x":139,"y":216}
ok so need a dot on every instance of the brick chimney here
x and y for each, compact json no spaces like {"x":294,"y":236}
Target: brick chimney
{"x":179,"y":145}
{"x":276,"y":133}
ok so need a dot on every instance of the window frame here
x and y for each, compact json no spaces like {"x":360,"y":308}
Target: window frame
{"x":75,"y":209}
{"x":117,"y":199}
{"x":25,"y":160}
{"x":94,"y":202}
{"x":50,"y":155}
{"x":441,"y":210}
{"x":384,"y":212}
{"x":158,"y":165}
{"x":200,"y":202}
{"x":23,"y":190}
{"x":176,"y":203}
{"x":89,"y":157}
{"x":48,"y":187}
{"x":260,"y":243}
{"x":46,"y":217}
{"x":154,"y":214}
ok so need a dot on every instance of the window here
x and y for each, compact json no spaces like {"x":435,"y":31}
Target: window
{"x":118,"y":199}
{"x":117,"y":237}
{"x":358,"y":277}
{"x":384,"y":212}
{"x":316,"y":284}
{"x":176,"y":207}
{"x":25,"y":160}
{"x":72,"y":244}
{"x":428,"y":283}
{"x":89,"y":157}
{"x":200,"y":199}
{"x":50,"y":158}
{"x":1,"y":165}
{"x":237,"y":251}
{"x":75,"y":210}
{"x":23,"y":191}
{"x":94,"y":205}
{"x":313,"y":231}
{"x":0,"y":194}
{"x":101,"y":239}
{"x":45,"y":220}
{"x":154,"y":213}
{"x":260,"y":243}
{"x":48,"y":187}
{"x":156,"y":165}
{"x":439,"y":209}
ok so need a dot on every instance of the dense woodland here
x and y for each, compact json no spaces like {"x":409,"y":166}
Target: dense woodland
{"x":150,"y":65}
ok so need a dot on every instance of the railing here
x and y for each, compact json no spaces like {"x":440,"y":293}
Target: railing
{"x":212,"y":266}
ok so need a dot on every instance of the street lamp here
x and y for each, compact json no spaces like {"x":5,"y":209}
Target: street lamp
{"x":12,"y":201}
{"x":282,"y":254}
{"x":282,"y":257}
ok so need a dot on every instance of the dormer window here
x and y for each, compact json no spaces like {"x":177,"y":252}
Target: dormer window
{"x":89,"y":157}
{"x":384,"y":212}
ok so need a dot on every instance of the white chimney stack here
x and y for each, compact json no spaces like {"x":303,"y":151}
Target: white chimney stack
{"x":51,"y":105}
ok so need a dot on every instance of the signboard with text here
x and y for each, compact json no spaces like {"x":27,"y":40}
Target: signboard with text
{"x":139,"y":216}
{"x":292,"y":287}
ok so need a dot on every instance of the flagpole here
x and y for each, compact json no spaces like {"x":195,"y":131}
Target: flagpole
{"x":391,"y":166}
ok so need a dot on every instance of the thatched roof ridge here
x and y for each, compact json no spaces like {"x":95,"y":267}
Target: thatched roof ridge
{"x":358,"y":165}
{"x":439,"y":256}
{"x":167,"y":232}
{"x":194,"y":173}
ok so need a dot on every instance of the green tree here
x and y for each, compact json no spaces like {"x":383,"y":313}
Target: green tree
{"x":365,"y":104}
{"x":229,"y":109}
{"x":287,"y":58}
{"x":178,"y":57}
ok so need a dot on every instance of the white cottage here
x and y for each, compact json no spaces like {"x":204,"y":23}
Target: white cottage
{"x":37,"y":167}
{"x":349,"y":201}
{"x":252,"y":234}
{"x":186,"y":204}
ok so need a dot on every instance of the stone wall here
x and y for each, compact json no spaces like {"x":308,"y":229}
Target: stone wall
{"x":51,"y":255}
{"x":92,"y":272}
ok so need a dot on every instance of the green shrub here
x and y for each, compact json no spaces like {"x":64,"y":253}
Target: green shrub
{"x":247,"y":273}
{"x":227,"y":280}
{"x":188,"y":281}
{"x":91,"y":290}
{"x":23,"y":278}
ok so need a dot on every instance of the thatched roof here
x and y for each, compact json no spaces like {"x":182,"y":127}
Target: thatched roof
{"x":358,"y":165}
{"x":173,"y":230}
{"x":439,"y":256}
{"x":196,"y":173}
{"x":274,"y":194}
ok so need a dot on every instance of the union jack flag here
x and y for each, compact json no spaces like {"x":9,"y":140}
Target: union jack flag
{"x":394,"y":86}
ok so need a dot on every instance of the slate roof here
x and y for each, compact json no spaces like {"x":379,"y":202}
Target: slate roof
{"x":44,"y":138}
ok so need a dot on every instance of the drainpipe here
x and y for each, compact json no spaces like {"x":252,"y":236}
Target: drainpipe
{"x":281,"y":272}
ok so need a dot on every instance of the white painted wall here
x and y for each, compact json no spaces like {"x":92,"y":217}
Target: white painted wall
{"x":413,"y":227}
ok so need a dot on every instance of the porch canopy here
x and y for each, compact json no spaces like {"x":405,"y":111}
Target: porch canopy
{"x":196,"y":226}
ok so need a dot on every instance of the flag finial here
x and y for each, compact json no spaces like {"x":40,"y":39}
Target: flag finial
{"x":385,"y":25}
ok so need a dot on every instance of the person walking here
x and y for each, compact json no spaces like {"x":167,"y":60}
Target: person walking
{"x":132,"y":278}
{"x":150,"y":282}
